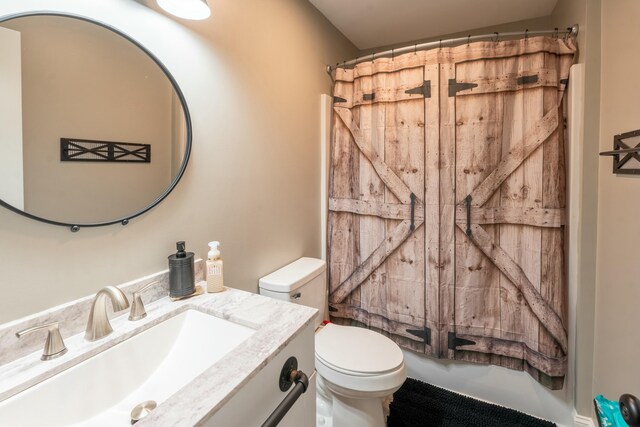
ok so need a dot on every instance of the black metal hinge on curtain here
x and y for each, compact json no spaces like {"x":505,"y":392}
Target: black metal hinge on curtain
{"x":527,"y":80}
{"x":424,"y":90}
{"x":455,"y":87}
{"x":423,"y":334}
{"x":454,"y":342}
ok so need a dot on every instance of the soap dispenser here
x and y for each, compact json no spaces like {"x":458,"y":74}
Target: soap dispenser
{"x":215,"y":281}
{"x":181,"y":273}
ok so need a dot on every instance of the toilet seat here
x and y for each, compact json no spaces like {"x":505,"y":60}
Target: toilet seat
{"x":359,"y":359}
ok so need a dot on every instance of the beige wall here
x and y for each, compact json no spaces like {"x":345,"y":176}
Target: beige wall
{"x":11,"y":174}
{"x":83,"y":81}
{"x":617,"y":347}
{"x":252,"y":76}
{"x":542,"y":23}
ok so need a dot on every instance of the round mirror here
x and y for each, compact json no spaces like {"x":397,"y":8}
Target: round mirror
{"x":93,"y":128}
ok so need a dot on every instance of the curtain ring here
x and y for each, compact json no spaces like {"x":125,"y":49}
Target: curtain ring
{"x":373,"y":57}
{"x":468,"y":39}
{"x":555,"y":33}
{"x":526,"y":34}
{"x":415,"y":49}
{"x":440,"y":43}
{"x":566,"y":36}
{"x":496,"y":38}
{"x":392,"y":54}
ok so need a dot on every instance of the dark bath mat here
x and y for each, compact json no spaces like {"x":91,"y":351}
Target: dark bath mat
{"x":419,"y":404}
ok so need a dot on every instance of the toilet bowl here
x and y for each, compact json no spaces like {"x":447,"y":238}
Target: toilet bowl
{"x":358,"y":369}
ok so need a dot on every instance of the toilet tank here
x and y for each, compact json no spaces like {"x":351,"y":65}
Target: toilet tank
{"x":304,"y":281}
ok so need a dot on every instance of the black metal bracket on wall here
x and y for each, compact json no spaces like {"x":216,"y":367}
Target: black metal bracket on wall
{"x":622,"y":153}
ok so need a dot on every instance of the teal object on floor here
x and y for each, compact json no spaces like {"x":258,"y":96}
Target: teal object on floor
{"x":609,"y":414}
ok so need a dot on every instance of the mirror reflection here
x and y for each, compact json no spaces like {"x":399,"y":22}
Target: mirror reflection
{"x":66,"y":79}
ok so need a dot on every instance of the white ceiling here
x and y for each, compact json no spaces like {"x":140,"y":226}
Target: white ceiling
{"x":374,"y":23}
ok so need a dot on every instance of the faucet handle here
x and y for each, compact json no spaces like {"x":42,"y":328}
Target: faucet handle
{"x":54,"y":346}
{"x":137,"y":307}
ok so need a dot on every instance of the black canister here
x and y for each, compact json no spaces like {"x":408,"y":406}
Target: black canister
{"x":181,"y":276}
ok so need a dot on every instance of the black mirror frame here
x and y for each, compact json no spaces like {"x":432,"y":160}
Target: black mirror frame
{"x":123,"y":220}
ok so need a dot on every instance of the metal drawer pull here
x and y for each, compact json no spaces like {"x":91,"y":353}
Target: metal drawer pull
{"x":289,"y":375}
{"x":297,"y":295}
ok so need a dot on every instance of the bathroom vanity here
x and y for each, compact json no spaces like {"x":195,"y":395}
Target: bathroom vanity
{"x":214,"y":359}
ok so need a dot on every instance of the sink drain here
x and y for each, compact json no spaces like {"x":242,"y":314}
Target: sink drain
{"x":142,"y":410}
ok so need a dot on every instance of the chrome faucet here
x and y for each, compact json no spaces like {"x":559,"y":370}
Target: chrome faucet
{"x":54,"y":346}
{"x":138,"y":311}
{"x":98,"y":325}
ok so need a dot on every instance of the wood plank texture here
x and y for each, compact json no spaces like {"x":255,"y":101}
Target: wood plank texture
{"x":447,"y":206}
{"x":551,"y":365}
{"x":372,"y":188}
{"x":514,"y":158}
{"x":498,"y":137}
{"x":535,"y":217}
{"x":369,"y":265}
{"x":373,"y":320}
{"x":391,"y":180}
{"x":432,"y":208}
{"x":547,"y":316}
{"x":404,"y":153}
{"x":396,"y":211}
{"x":479,"y":122}
{"x":491,"y":83}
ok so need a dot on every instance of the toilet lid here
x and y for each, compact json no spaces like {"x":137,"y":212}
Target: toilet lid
{"x":357,"y":350}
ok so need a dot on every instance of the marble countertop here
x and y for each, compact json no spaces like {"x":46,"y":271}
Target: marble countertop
{"x":276,"y":324}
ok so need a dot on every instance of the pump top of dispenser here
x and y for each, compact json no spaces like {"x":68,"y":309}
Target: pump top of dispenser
{"x":181,"y":253}
{"x":214,"y":252}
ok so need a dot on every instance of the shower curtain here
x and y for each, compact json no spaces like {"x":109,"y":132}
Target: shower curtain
{"x":447,"y":202}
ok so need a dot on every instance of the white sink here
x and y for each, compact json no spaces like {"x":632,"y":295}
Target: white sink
{"x":152,"y":365}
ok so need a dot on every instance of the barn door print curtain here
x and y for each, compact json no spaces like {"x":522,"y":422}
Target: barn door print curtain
{"x":447,"y":202}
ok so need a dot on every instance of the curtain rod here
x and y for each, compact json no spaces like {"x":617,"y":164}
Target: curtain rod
{"x":570,"y":31}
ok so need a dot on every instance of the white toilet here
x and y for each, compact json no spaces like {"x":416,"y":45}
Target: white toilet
{"x":358,"y":369}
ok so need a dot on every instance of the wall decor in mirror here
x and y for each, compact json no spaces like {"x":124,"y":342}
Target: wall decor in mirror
{"x":68,"y":78}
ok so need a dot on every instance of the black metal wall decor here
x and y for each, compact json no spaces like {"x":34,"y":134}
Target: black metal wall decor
{"x":626,"y":159}
{"x":87,"y":150}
